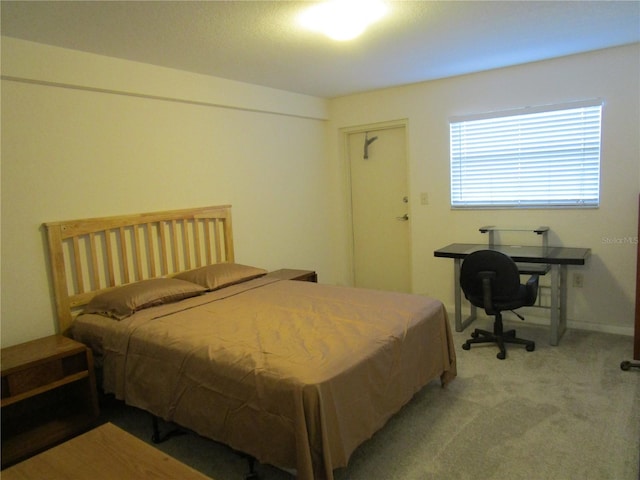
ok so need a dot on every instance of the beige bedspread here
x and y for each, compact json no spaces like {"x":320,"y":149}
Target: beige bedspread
{"x":296,"y":374}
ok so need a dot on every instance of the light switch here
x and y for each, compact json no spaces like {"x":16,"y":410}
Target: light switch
{"x":424,"y":198}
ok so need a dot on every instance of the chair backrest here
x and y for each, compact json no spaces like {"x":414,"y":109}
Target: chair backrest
{"x":505,"y":282}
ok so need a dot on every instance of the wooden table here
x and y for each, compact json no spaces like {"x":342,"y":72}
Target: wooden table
{"x":104,"y":453}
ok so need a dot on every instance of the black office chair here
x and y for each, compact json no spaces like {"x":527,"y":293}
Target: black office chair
{"x":490,"y":280}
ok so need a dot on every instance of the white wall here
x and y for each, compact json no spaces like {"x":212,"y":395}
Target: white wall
{"x":85,"y":136}
{"x":606,"y":302}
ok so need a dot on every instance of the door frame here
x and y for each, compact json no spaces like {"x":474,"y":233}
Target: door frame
{"x":344,"y":138}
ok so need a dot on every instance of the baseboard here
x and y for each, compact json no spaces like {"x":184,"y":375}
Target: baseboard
{"x":571,"y":324}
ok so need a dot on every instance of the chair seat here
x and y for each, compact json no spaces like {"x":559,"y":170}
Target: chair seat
{"x":520,"y":299}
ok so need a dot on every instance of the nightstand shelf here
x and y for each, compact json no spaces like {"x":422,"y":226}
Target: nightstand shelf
{"x":43,"y":389}
{"x":291,"y":274}
{"x":48,"y":395}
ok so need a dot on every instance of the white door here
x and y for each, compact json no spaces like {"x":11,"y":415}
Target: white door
{"x":380,"y":209}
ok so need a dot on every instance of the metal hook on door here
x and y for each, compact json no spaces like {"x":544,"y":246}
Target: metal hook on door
{"x":368,"y":141}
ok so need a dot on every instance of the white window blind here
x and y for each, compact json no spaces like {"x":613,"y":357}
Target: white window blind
{"x":542,"y":157}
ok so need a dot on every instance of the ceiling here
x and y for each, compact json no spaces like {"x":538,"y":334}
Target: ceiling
{"x":259,"y":42}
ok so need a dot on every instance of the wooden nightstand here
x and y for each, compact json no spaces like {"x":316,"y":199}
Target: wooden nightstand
{"x":290,"y":274}
{"x":48,"y":395}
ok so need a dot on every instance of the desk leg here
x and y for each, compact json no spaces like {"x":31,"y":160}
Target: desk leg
{"x":558,"y":303}
{"x":460,"y":325}
{"x":563,"y":301}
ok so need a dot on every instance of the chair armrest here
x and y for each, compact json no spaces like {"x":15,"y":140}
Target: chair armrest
{"x":532,"y":289}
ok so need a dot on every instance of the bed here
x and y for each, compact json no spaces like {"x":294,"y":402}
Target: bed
{"x":295,"y":374}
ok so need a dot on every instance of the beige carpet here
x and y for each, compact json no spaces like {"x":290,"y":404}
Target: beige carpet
{"x":558,"y":413}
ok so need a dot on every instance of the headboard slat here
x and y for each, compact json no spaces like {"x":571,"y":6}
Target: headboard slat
{"x":207,"y":232}
{"x":137,"y":254}
{"x":95,"y":274}
{"x":151,"y":249}
{"x":111,"y":278}
{"x":77,"y":263}
{"x":174,"y":244}
{"x":186,"y":242}
{"x":124,"y":255}
{"x":216,"y":234}
{"x":90,"y":256}
{"x":163,"y":244}
{"x":198,"y":246}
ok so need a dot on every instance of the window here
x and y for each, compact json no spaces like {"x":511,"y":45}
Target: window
{"x":535,"y":157}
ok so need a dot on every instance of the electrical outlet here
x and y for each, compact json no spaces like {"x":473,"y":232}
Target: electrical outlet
{"x":578,"y":280}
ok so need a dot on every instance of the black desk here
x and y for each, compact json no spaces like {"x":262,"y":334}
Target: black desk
{"x":530,"y":260}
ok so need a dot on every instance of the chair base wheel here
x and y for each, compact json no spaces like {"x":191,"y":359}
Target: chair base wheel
{"x":626,"y":365}
{"x":500,"y":338}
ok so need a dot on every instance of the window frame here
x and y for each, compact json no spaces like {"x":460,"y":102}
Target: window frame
{"x":492,"y":198}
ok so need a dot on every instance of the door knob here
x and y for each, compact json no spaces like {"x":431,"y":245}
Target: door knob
{"x":404,"y":218}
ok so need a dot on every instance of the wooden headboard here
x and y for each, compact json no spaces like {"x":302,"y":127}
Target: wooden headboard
{"x":92,"y":255}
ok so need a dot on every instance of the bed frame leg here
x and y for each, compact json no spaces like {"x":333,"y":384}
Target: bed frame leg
{"x":158,"y":437}
{"x":252,"y":475}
